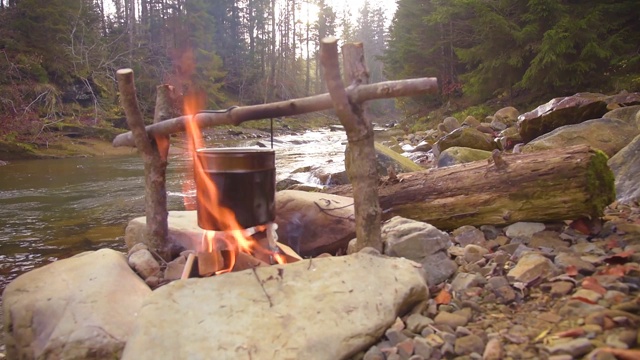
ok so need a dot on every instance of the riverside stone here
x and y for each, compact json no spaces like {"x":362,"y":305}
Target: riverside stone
{"x":328,"y":308}
{"x":608,"y":135}
{"x":532,"y":266}
{"x":523,"y":229}
{"x":469,"y":344}
{"x":412,"y":239}
{"x":626,"y":169}
{"x":450,"y":319}
{"x":77,"y":308}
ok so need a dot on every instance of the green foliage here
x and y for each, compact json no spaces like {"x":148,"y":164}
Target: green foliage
{"x":477,"y":111}
{"x":544,"y":47}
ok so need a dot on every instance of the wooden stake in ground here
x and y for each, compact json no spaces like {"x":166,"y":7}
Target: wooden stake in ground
{"x":155,"y":165}
{"x":560,"y":184}
{"x":361,"y":154}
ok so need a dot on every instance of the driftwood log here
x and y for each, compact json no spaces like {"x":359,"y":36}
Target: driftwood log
{"x":361,"y":154}
{"x":559,"y":184}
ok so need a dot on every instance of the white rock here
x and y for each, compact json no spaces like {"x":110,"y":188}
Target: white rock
{"x":328,"y":308}
{"x":77,"y":308}
{"x":523,"y":229}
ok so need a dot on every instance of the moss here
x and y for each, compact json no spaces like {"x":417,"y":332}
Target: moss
{"x":16,"y":150}
{"x":600,"y":183}
{"x":478,"y":111}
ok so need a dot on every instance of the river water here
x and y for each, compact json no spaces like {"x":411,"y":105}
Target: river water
{"x":53,"y":209}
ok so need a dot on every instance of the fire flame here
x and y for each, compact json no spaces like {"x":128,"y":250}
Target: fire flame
{"x":240,"y":239}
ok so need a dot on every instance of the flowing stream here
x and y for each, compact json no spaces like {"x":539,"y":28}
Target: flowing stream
{"x":53,"y":209}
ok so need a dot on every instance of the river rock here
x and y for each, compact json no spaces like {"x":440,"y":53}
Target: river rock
{"x":328,"y":308}
{"x":471,"y":121}
{"x":507,"y":115}
{"x":420,"y":242}
{"x":608,"y":135}
{"x":465,"y":137}
{"x":559,"y":112}
{"x":450,"y":124}
{"x":523,"y":229}
{"x":412,"y":239}
{"x":626,"y":169}
{"x":460,"y":155}
{"x":314,"y":223}
{"x":77,"y":308}
{"x":532,"y":266}
{"x":570,"y":110}
{"x":627,"y":114}
{"x":183,"y":230}
{"x":387,"y":158}
{"x":508,"y":138}
{"x":143,"y":262}
{"x":469,"y":344}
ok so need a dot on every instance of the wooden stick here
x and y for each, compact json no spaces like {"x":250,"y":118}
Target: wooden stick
{"x":360,"y":158}
{"x":238,"y":115}
{"x":187,"y":266}
{"x":154,"y":167}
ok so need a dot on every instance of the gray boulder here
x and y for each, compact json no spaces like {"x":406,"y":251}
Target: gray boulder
{"x":422,"y":243}
{"x":608,"y":135}
{"x":570,"y":110}
{"x":626,"y":168}
{"x":629,"y":114}
{"x":326,"y":308}
{"x":77,"y":308}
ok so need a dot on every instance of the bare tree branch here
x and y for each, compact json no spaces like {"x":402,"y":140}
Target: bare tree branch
{"x":360,"y":158}
{"x":238,"y":115}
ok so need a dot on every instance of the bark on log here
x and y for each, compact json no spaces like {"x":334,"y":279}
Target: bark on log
{"x":154,"y":167}
{"x":361,"y":154}
{"x":559,"y":184}
{"x":238,"y":115}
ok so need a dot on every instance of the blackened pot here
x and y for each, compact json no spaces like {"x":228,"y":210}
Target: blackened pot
{"x":245,"y":179}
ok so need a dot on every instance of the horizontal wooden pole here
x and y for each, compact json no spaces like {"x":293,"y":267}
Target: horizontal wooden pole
{"x":238,"y":115}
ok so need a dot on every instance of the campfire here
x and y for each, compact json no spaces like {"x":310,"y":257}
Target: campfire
{"x":235,"y":205}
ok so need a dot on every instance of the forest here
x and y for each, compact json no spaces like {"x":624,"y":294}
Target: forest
{"x":58,"y":57}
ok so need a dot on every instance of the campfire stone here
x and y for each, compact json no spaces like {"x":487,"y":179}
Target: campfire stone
{"x":328,"y":308}
{"x":314,"y":223}
{"x":77,"y":308}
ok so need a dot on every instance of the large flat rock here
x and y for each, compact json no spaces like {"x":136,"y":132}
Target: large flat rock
{"x":77,"y":308}
{"x":325,"y":308}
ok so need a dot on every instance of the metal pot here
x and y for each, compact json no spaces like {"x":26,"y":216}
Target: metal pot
{"x":245,"y":179}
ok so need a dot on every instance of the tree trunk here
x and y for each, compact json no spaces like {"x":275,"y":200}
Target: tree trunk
{"x":559,"y":184}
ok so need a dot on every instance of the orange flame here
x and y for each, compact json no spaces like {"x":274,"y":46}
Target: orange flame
{"x":224,"y":216}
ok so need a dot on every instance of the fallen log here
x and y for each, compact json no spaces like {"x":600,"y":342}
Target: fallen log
{"x":559,"y":184}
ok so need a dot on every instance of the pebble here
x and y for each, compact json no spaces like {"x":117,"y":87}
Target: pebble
{"x":523,"y":229}
{"x":493,"y":350}
{"x":525,"y":303}
{"x":474,"y":253}
{"x":468,"y":344}
{"x":418,"y":322}
{"x":532,"y":266}
{"x":575,"y":348}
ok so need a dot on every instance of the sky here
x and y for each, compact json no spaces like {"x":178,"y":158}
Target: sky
{"x":356,"y":5}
